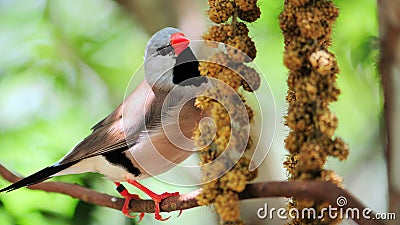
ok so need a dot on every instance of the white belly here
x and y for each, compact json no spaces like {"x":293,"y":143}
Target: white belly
{"x":100,"y":165}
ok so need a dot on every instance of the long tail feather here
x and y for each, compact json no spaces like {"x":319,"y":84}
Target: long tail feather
{"x":37,"y":177}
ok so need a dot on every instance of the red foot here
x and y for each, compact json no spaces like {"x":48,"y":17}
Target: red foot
{"x":128,"y":196}
{"x":156,"y":198}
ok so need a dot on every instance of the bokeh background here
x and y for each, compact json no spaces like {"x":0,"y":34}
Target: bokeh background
{"x":64,"y":65}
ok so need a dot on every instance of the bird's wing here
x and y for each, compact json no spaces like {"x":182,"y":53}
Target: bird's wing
{"x":116,"y":133}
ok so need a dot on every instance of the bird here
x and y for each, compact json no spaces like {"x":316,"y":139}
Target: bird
{"x":138,"y":139}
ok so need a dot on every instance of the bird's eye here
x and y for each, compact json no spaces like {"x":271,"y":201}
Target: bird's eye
{"x":165,"y":50}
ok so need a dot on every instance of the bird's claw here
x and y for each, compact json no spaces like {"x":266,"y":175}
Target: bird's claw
{"x":158,"y":217}
{"x":128,"y":214}
{"x":128,"y":197}
{"x":157,"y":198}
{"x":157,"y":201}
{"x":180,"y":213}
{"x":125,"y":208}
{"x":141,"y":217}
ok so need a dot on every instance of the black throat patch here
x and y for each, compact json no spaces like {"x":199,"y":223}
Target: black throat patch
{"x":186,"y":70}
{"x":118,"y":158}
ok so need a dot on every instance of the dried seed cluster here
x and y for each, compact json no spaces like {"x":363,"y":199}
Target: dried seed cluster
{"x":235,"y":35}
{"x":229,"y":134}
{"x":221,"y":10}
{"x":307,"y":29}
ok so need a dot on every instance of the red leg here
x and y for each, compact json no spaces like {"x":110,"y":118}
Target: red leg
{"x":128,"y":196}
{"x":156,"y":197}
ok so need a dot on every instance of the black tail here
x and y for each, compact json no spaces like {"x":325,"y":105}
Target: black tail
{"x":37,"y":177}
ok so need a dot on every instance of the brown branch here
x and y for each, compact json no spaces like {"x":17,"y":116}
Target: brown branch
{"x":389,"y":15}
{"x":299,"y":189}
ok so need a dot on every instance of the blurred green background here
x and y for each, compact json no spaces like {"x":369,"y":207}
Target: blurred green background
{"x":64,"y":65}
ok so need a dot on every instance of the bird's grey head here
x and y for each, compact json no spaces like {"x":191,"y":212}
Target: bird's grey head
{"x":160,"y":57}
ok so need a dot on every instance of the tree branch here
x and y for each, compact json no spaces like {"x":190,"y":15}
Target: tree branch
{"x":299,"y":189}
{"x":389,"y":15}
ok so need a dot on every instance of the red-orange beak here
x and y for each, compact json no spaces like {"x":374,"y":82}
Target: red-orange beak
{"x":179,"y":42}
